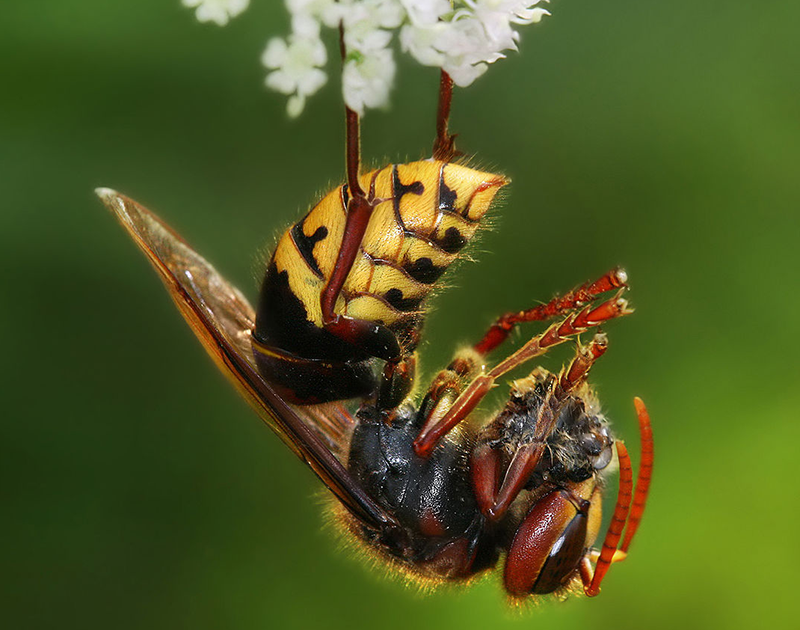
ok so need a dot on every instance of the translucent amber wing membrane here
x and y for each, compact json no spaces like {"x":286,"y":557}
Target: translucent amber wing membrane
{"x":222,"y":319}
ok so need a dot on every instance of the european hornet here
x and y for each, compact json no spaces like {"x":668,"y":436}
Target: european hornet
{"x":328,"y":362}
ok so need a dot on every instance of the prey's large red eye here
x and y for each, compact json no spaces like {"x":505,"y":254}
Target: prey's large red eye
{"x":547,"y":547}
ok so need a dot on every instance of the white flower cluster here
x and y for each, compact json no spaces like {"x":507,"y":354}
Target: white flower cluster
{"x":219,"y":11}
{"x":460,"y":36}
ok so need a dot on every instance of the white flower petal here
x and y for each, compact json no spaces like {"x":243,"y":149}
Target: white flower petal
{"x":365,"y":39}
{"x":274,"y":54}
{"x":420,"y":42}
{"x":304,"y":25}
{"x":218,"y":11}
{"x":387,"y":13}
{"x":532,"y":16}
{"x":367,"y":82}
{"x":464,"y":75}
{"x":461,"y":36}
{"x":295,"y":105}
{"x":211,"y":13}
{"x":235,"y":7}
{"x":426,"y":12}
{"x":311,"y":82}
{"x":281,"y":81}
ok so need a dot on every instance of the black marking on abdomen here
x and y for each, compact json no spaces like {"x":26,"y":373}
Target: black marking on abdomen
{"x":398,"y":190}
{"x":305,"y":244}
{"x":452,"y":241}
{"x":283,"y":322}
{"x":395,"y":299}
{"x":447,"y":196}
{"x":423,"y":270}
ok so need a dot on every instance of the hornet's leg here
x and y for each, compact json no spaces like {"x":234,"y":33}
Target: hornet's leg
{"x":444,"y":146}
{"x":375,"y":339}
{"x":448,"y":385}
{"x":396,"y":382}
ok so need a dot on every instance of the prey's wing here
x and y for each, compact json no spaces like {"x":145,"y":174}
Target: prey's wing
{"x":222,"y":319}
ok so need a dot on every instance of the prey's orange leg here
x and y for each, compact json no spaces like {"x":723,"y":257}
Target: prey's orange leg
{"x":588,"y":292}
{"x":575,"y":324}
{"x":614,"y":533}
{"x":644,"y":476}
{"x":495,"y":498}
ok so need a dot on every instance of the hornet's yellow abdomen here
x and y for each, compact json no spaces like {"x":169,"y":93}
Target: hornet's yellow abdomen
{"x":423,"y":214}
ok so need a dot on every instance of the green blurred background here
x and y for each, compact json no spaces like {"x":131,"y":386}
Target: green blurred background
{"x":138,"y":491}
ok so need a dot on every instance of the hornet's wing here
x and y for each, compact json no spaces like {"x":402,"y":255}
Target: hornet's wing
{"x":222,"y":319}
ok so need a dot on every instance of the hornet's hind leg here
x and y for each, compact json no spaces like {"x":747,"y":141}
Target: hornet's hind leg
{"x":374,"y":339}
{"x":444,"y":146}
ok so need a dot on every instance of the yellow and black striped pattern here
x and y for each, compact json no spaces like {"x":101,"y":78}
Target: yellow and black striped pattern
{"x":426,"y":212}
